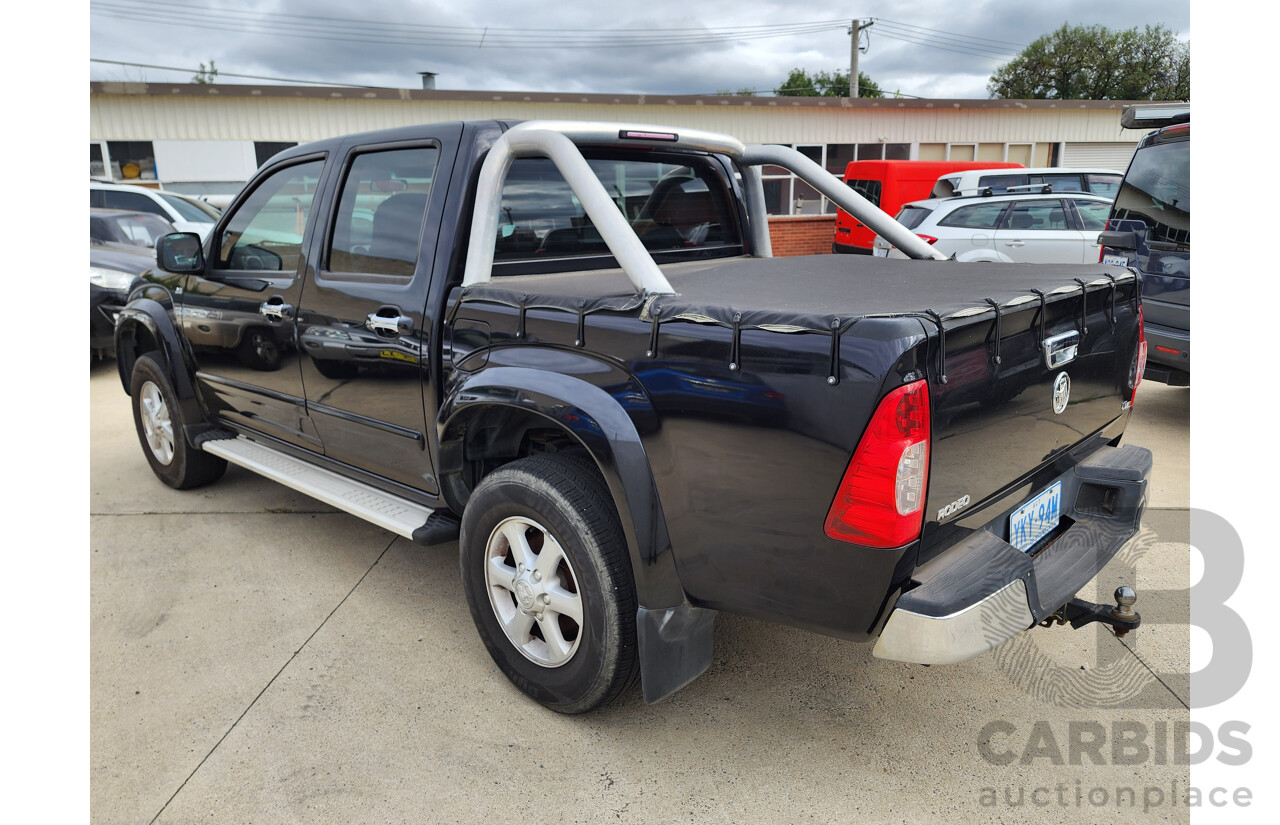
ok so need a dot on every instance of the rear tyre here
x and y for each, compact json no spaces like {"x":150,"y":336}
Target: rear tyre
{"x":548,"y":579}
{"x":159,"y":423}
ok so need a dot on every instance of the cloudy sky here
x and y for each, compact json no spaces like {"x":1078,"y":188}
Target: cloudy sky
{"x":925,"y":48}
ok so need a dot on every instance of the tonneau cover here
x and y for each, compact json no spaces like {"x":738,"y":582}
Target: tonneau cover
{"x":804,"y":293}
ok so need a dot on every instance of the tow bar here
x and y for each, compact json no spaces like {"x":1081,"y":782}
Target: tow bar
{"x":1078,"y":613}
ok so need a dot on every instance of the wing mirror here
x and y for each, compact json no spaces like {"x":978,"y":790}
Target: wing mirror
{"x":1124,"y":236}
{"x":180,"y":252}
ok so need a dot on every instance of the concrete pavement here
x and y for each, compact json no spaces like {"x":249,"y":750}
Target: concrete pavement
{"x":258,"y":657}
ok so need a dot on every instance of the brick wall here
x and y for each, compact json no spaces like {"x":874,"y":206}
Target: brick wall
{"x":802,"y":235}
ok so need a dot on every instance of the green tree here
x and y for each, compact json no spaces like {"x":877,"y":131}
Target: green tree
{"x":825,"y":84}
{"x":205,"y":76}
{"x":1097,"y":63}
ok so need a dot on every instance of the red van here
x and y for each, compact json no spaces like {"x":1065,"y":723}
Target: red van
{"x":889,"y":184}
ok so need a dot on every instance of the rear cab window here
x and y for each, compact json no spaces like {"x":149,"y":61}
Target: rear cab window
{"x":678,"y":206}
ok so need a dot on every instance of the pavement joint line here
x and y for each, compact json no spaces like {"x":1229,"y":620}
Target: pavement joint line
{"x":273,"y":679}
{"x":1154,"y":675}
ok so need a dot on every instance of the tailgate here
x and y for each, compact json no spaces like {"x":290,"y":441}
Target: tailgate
{"x":1002,"y":428}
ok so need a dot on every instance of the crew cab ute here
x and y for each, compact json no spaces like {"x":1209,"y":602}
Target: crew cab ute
{"x":567,"y":346}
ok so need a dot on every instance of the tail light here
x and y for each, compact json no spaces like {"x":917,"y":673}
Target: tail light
{"x":1102,"y":250}
{"x":1139,"y":359}
{"x":880,"y":502}
{"x":929,"y":239}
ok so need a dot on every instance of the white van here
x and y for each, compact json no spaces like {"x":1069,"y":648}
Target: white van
{"x":1104,"y":182}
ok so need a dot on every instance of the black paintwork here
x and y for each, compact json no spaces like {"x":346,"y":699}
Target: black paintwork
{"x":722,"y":475}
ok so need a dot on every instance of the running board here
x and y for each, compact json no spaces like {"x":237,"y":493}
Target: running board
{"x":361,"y":500}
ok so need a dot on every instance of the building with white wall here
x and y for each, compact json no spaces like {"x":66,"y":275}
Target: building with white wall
{"x":208,"y":139}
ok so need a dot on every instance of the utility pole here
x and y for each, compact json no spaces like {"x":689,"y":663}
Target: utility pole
{"x":855,"y":35}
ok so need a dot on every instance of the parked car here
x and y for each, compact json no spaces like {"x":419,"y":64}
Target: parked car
{"x":889,"y":184}
{"x":646,"y":419}
{"x":1104,"y":182}
{"x":186,"y":214}
{"x":121,"y":248}
{"x":1034,"y":229}
{"x":1150,"y":229}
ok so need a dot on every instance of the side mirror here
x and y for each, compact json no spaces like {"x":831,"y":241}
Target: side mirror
{"x":180,"y":252}
{"x":1125,"y":236}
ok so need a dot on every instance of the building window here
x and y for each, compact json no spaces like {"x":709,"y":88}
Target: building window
{"x":97,"y":166}
{"x":132,"y":160}
{"x":786,"y":194}
{"x":962,"y":151}
{"x":264,"y":150}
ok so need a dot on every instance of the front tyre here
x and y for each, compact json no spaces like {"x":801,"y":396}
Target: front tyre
{"x":159,"y":423}
{"x":548,"y":580}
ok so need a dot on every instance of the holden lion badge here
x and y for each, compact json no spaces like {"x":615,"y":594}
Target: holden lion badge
{"x":1061,"y":392}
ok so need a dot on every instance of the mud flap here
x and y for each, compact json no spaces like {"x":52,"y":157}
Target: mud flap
{"x":675,"y":648}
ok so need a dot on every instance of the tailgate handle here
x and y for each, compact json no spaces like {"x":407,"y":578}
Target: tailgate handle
{"x":1061,"y":349}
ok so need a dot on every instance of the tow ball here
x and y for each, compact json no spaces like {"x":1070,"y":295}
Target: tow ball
{"x":1078,"y":613}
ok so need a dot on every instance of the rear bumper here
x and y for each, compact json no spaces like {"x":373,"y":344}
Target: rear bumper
{"x":983,"y":591}
{"x":1168,"y":353}
{"x":838,"y":248}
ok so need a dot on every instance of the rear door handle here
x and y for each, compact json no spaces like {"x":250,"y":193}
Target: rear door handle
{"x":388,"y":324}
{"x":1015,"y":243}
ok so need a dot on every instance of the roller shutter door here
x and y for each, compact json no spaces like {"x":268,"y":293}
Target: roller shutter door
{"x":1098,"y":155}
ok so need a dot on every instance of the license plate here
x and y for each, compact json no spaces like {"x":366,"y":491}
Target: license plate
{"x":1036,"y":519}
{"x":880,"y":252}
{"x":398,"y":356}
{"x":1115,"y":260}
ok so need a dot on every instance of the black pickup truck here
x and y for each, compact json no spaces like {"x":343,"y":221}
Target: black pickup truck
{"x":567,"y":346}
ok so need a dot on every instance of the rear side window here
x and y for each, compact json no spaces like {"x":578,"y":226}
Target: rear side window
{"x":673,"y":208}
{"x":1093,"y":214}
{"x":999,"y":184}
{"x":976,"y":216}
{"x":913,"y":216}
{"x":1105,"y":185}
{"x":1037,"y":215}
{"x":379,"y":222}
{"x":134,"y":201}
{"x":1061,"y":183}
{"x":869,"y":189}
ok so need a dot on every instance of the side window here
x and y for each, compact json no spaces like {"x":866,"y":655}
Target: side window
{"x":977,"y":216}
{"x":1093,"y":214}
{"x":1064,"y":183}
{"x":132,"y":201}
{"x":1108,"y":186}
{"x":869,"y":189}
{"x":265,"y":233}
{"x":1037,"y":215}
{"x":380,"y":212}
{"x":672,"y":207}
{"x":999,"y":184}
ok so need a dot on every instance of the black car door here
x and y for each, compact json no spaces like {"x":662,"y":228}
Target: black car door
{"x":361,"y":327}
{"x":239,"y":313}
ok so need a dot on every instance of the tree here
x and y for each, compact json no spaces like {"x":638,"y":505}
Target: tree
{"x":1097,"y":63}
{"x":825,"y":84}
{"x":205,"y":76}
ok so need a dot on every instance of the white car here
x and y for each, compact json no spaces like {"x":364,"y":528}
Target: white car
{"x":186,"y":214}
{"x":1015,"y":228}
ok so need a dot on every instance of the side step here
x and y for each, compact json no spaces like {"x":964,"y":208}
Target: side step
{"x":391,"y":512}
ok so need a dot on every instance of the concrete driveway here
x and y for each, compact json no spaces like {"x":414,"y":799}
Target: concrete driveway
{"x":259,"y":657}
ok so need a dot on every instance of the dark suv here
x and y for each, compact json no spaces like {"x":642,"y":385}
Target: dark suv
{"x":1150,"y":228}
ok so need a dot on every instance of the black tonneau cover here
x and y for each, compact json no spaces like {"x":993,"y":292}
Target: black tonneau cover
{"x":804,"y":293}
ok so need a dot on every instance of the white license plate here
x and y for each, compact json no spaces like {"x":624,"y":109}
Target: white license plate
{"x":1036,"y":519}
{"x":880,"y":252}
{"x":1115,"y":260}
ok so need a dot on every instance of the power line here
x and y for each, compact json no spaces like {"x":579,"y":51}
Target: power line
{"x":221,"y":73}
{"x":923,"y":30}
{"x":410,"y":34}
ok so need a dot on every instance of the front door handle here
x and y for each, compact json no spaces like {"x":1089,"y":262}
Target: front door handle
{"x":276,"y":308}
{"x":388,"y":324}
